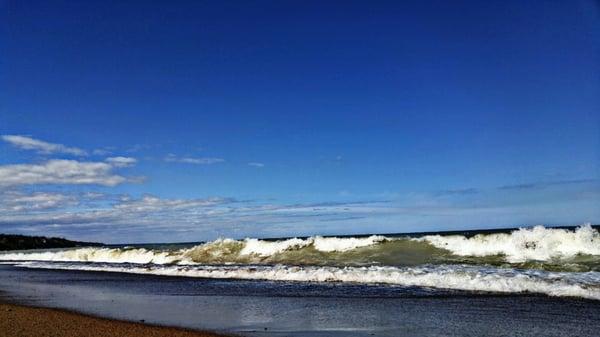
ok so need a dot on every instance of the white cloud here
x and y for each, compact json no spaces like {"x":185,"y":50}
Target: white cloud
{"x":13,"y":201}
{"x":151,"y":215}
{"x":93,"y":195}
{"x":117,"y":218}
{"x":121,"y":161}
{"x":256,"y":164}
{"x":28,"y":143}
{"x":102,"y":152}
{"x":150,"y":203}
{"x":171,"y":158}
{"x":60,"y":171}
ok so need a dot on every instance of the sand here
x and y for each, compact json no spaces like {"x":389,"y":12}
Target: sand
{"x":21,"y":321}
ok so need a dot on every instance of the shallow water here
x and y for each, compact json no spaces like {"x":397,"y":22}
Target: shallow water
{"x":267,"y":308}
{"x":551,"y":261}
{"x":552,"y":249}
{"x":528,"y":282}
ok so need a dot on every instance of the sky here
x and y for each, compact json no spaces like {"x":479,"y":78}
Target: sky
{"x":147,"y":121}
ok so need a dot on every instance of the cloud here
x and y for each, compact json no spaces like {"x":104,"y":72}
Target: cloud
{"x":461,"y":191}
{"x":150,"y":203}
{"x":60,"y":171}
{"x":171,"y":158}
{"x":128,"y":219}
{"x":138,"y":147}
{"x":543,"y":184}
{"x":209,"y":217}
{"x":28,"y":143}
{"x":16,"y":201}
{"x":256,"y":164}
{"x":103,"y":151}
{"x":516,"y":187}
{"x":121,"y":161}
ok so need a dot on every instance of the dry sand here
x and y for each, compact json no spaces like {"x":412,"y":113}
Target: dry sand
{"x":21,"y":321}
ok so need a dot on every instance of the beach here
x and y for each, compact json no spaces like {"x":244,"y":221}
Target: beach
{"x":524,"y":282}
{"x":257,"y":308}
{"x":300,"y":168}
{"x":23,"y":321}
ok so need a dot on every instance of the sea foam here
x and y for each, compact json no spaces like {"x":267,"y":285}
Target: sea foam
{"x":457,"y":277}
{"x":527,"y":244}
{"x":93,"y":254}
{"x":538,"y":243}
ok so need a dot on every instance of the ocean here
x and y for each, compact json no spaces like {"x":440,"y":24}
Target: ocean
{"x":533,"y":281}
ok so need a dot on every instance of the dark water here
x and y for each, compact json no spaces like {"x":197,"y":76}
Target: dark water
{"x":263,"y":308}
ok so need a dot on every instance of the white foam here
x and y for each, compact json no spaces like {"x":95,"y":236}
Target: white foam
{"x":459,"y":277}
{"x":538,"y":243}
{"x":108,"y":255}
{"x":332,"y":244}
{"x":221,"y":250}
{"x":322,"y":244}
{"x":269,"y":248}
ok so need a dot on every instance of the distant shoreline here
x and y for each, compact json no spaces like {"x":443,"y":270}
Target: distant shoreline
{"x":23,"y":242}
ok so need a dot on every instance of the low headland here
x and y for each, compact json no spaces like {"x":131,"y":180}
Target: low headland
{"x":20,"y":242}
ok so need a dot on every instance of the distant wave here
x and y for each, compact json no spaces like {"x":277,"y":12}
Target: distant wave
{"x":218,"y":251}
{"x":322,"y":244}
{"x":571,"y":250}
{"x":458,"y":277}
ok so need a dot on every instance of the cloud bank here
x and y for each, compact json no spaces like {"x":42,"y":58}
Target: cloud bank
{"x":53,"y":198}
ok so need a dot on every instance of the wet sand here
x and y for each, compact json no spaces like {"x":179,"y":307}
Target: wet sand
{"x":22,"y":321}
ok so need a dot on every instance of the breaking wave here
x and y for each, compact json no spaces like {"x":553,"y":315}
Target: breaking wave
{"x":457,"y":277}
{"x":546,"y":248}
{"x":556,"y":262}
{"x":537,"y":243}
{"x":218,"y":251}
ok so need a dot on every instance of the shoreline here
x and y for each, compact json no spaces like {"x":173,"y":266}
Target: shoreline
{"x":18,"y":320}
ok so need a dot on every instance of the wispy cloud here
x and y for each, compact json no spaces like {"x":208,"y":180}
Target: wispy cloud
{"x":205,"y":216}
{"x":515,"y":187}
{"x":151,"y":218}
{"x":102,"y":215}
{"x":103,"y":151}
{"x":544,"y":184}
{"x":150,"y":203}
{"x":121,"y":161}
{"x":256,"y":164}
{"x":60,"y":171}
{"x":460,"y":191}
{"x":28,"y":143}
{"x":17,"y":201}
{"x":138,"y":147}
{"x":171,"y":158}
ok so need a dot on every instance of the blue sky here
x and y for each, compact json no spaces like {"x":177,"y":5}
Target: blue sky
{"x":128,"y":121}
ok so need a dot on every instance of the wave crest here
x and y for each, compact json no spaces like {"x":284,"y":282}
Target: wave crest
{"x":112,"y":255}
{"x":549,"y":245}
{"x":537,"y":243}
